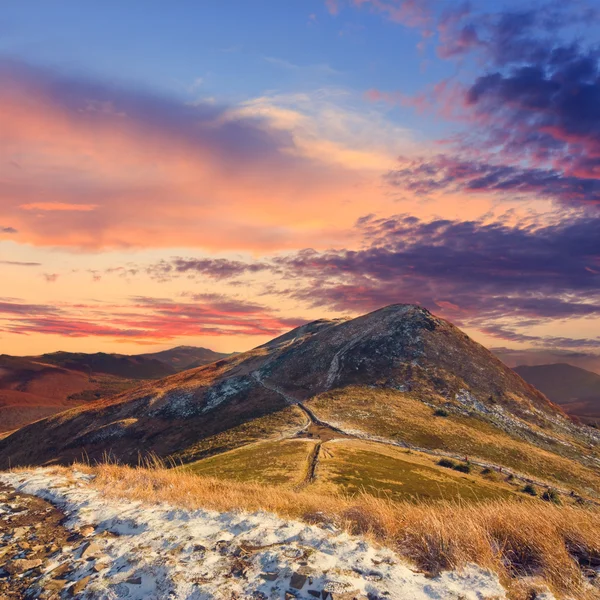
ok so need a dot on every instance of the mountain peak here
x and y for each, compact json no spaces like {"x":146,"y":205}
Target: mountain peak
{"x":401,"y":348}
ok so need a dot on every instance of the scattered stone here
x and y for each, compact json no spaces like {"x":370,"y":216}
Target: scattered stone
{"x":289,"y":595}
{"x":314,"y":593}
{"x":79,"y":586}
{"x":60,"y":570}
{"x":298,"y":580}
{"x":100,"y":565}
{"x":90,"y":550}
{"x":22,"y":564}
{"x":56,"y":585}
{"x":134,"y":581}
{"x":87,"y":530}
{"x":272,"y":576}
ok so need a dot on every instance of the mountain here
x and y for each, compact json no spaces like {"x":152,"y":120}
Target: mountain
{"x":181,"y":358}
{"x":34,"y":387}
{"x":576,"y":390}
{"x":344,"y":395}
{"x":120,"y":365}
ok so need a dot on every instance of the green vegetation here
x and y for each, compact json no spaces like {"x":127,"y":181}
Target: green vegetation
{"x":463,"y":468}
{"x":447,"y":463}
{"x":551,"y":495}
{"x":357,"y":466}
{"x":529,"y":489}
{"x":282,"y":462}
{"x":403,"y":416}
{"x":441,"y":412}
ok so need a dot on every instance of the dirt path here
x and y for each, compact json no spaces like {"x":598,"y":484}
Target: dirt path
{"x":325,"y":432}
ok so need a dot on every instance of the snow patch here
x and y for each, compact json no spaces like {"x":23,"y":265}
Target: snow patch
{"x":165,"y":552}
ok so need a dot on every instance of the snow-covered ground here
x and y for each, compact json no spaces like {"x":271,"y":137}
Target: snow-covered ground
{"x":143,"y":552}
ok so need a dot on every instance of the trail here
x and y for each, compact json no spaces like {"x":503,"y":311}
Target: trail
{"x":311,"y":471}
{"x":290,"y":400}
{"x":320,"y":428}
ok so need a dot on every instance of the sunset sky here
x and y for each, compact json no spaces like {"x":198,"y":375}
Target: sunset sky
{"x":217,"y":172}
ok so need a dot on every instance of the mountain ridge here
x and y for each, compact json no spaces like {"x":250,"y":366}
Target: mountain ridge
{"x":575,"y":389}
{"x":400,"y":356}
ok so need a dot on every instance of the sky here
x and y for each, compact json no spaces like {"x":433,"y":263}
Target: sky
{"x":215,"y":173}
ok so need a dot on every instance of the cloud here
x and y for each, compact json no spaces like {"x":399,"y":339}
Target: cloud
{"x":18,"y":263}
{"x":214,"y":268}
{"x":451,"y":174}
{"x":51,"y":277}
{"x":530,"y":115}
{"x":146,"y":318}
{"x":544,"y":356}
{"x":156,"y":172}
{"x":475,"y":273}
{"x":414,"y":13}
{"x":8,"y":230}
{"x":43,"y":206}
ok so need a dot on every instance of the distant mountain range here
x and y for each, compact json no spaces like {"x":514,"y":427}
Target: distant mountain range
{"x":576,"y":390}
{"x":33,"y":387}
{"x":365,"y":403}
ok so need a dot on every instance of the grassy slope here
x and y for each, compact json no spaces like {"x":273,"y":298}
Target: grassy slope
{"x":351,"y":467}
{"x":356,"y":466}
{"x":282,"y":462}
{"x":399,"y":417}
{"x":274,"y":425}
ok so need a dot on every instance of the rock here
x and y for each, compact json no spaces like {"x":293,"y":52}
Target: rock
{"x":78,"y":586}
{"x":87,"y":530}
{"x":289,"y":595}
{"x":298,"y":580}
{"x":90,"y":549}
{"x":314,"y":593}
{"x":60,"y":570}
{"x":272,"y":576}
{"x":19,"y":532}
{"x":56,"y":585}
{"x":100,"y":565}
{"x":22,"y":564}
{"x":134,"y":581}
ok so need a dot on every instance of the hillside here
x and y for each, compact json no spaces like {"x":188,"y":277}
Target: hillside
{"x":576,"y":390}
{"x":338,"y":391}
{"x":34,"y":387}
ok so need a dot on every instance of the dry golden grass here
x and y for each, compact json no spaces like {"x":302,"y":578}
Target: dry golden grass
{"x":528,"y":542}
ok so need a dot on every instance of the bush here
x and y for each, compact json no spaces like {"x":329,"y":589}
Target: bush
{"x":440,"y":412}
{"x":529,"y":489}
{"x":446,"y":462}
{"x":486,"y":471}
{"x":551,"y":495}
{"x":463,"y":468}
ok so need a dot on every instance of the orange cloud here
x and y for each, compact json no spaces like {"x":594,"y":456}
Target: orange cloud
{"x":148,"y":171}
{"x":58,"y":206}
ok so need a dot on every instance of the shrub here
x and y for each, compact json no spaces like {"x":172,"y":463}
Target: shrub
{"x":447,"y":463}
{"x":551,"y":495}
{"x":440,"y":412}
{"x":529,"y":489}
{"x":463,"y":468}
